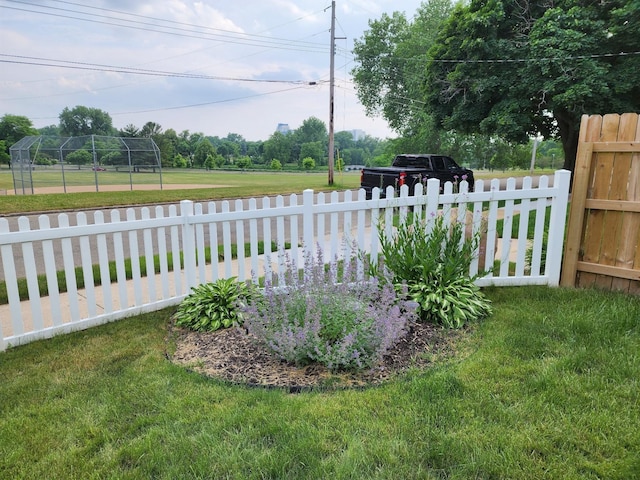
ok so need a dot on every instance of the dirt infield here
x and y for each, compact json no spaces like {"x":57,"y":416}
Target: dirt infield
{"x":117,"y":188}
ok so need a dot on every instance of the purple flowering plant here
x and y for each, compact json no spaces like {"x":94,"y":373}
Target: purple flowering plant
{"x":344,"y":325}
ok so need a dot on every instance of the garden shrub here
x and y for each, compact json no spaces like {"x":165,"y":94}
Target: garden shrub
{"x":347,"y":325}
{"x":215,"y":305}
{"x":434,"y":266}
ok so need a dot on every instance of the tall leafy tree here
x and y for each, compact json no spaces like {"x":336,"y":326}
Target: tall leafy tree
{"x":82,"y":120}
{"x":50,"y":130}
{"x":151,"y":129}
{"x":204,"y":150}
{"x":390,"y":71}
{"x":279,"y":147}
{"x":515,"y":69}
{"x":130,"y":131}
{"x":14,"y":128}
{"x":312,"y":130}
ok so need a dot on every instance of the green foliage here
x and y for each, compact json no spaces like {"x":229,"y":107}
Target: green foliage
{"x":451,"y":304}
{"x":79,"y":157}
{"x":308,"y":163}
{"x":433,"y":261}
{"x":275,"y":164}
{"x":313,"y":150}
{"x":14,"y":127}
{"x":243,"y":162}
{"x":390,"y":72}
{"x":549,"y":391}
{"x":211,"y":306}
{"x":180,"y":162}
{"x":530,"y":89}
{"x":202,"y":152}
{"x":82,"y":120}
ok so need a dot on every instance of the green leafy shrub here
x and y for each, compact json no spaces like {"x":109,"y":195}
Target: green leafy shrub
{"x":346,"y":325}
{"x":451,"y":304}
{"x":434,"y":265}
{"x":215,"y":305}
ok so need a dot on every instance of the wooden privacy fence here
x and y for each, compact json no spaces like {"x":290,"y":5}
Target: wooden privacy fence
{"x":101,"y":245}
{"x":603,"y":237}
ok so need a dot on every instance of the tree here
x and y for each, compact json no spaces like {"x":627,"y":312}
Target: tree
{"x":517,"y":69}
{"x":14,"y":128}
{"x":312,"y":130}
{"x":390,"y":74}
{"x":308,"y":163}
{"x":85,"y":121}
{"x":202,"y":151}
{"x":130,"y":131}
{"x":313,"y":150}
{"x":243,"y":162}
{"x":50,"y":130}
{"x":79,"y":157}
{"x":275,"y":164}
{"x":343,"y":140}
{"x":4,"y":156}
{"x":151,"y":129}
{"x":180,"y":162}
{"x":278,"y":146}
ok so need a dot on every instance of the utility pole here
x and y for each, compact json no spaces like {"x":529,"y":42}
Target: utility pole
{"x":332,"y":52}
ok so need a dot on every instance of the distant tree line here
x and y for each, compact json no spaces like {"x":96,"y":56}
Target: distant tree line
{"x":304,"y":148}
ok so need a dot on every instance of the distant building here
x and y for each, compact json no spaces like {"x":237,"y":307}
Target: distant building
{"x":358,"y":134}
{"x":283,"y":128}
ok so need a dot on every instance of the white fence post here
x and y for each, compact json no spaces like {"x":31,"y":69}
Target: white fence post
{"x":307,"y":224}
{"x":557,"y":220}
{"x":188,"y":243}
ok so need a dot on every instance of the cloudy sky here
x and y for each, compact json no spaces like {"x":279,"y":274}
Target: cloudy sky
{"x":208,"y":66}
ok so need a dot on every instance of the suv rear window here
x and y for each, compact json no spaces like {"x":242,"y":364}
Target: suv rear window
{"x":438,"y":163}
{"x":420,"y":162}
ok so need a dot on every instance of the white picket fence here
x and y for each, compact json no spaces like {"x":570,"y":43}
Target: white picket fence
{"x":338,"y":226}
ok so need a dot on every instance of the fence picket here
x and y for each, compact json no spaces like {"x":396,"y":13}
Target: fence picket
{"x":69,"y":270}
{"x":213,"y":243}
{"x":199,"y":245}
{"x":103,"y":261}
{"x":253,"y":241}
{"x":28,"y":256}
{"x":267,"y":239}
{"x":118,"y":257}
{"x":162,"y":255}
{"x":49,"y":257}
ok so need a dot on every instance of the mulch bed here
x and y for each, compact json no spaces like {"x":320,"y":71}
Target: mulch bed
{"x":232,"y":355}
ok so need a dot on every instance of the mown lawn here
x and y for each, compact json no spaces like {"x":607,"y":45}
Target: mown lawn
{"x":215,"y":184}
{"x":548,"y":387}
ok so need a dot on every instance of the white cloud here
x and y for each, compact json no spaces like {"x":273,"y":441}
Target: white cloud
{"x":251,"y":45}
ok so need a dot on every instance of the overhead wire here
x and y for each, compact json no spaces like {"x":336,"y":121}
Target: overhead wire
{"x":138,"y":71}
{"x":39,"y":61}
{"x":227,"y":36}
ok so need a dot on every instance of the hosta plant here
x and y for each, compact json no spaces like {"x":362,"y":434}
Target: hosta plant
{"x":433,"y":264}
{"x":450,"y":304}
{"x":214,"y":305}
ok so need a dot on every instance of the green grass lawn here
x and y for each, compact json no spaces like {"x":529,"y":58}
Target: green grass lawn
{"x":216,"y":185}
{"x":235,"y":185}
{"x":548,"y":387}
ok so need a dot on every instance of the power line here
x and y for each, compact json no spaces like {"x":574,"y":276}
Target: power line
{"x":226,"y":37}
{"x":178,"y":107}
{"x":48,"y":62}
